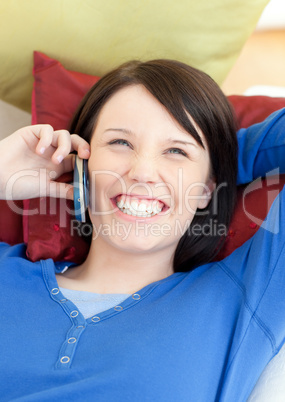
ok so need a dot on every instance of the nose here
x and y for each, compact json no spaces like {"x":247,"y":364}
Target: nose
{"x":144,"y":170}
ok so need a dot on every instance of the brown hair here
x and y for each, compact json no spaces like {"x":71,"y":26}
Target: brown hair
{"x":181,"y":88}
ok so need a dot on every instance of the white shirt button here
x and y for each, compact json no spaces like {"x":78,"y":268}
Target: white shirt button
{"x":63,"y":300}
{"x":65,"y":359}
{"x":74,"y":313}
{"x":54,"y":291}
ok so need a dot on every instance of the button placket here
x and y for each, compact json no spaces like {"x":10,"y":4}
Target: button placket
{"x":69,"y":346}
{"x":70,"y":343}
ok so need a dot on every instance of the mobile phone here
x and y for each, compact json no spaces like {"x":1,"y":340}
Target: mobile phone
{"x":80,"y":188}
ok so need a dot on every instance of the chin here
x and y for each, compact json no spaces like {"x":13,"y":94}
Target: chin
{"x":140,"y":245}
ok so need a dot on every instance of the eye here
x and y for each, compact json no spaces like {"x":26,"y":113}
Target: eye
{"x":177,"y":151}
{"x":120,"y":142}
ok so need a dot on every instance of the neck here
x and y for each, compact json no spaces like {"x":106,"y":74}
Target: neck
{"x":117,"y":271}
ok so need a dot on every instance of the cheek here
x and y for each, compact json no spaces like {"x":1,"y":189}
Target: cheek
{"x":97,"y":160}
{"x":100,"y":180}
{"x":103,"y":161}
{"x":189,"y":194}
{"x":103,"y":186}
{"x":95,"y":194}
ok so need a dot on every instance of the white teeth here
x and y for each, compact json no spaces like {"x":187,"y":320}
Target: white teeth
{"x":137,"y":208}
{"x":134,"y":205}
{"x":142,"y":207}
{"x":120,"y":204}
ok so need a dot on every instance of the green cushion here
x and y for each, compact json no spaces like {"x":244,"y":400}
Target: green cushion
{"x":93,"y":36}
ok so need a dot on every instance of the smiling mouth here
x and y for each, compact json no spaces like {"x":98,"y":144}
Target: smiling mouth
{"x":145,"y":208}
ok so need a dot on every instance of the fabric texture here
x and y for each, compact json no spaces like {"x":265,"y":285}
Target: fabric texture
{"x":95,"y":36}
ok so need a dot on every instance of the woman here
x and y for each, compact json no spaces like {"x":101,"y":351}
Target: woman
{"x":162,"y":166}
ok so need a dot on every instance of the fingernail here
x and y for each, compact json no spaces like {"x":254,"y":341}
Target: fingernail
{"x":59,"y":158}
{"x":87,"y":150}
{"x":42,"y":150}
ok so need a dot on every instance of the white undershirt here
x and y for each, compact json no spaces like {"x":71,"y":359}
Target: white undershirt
{"x":90,"y":304}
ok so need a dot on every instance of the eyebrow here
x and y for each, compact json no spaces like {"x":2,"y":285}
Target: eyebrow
{"x":122,"y":130}
{"x":129,"y":132}
{"x":174,"y":141}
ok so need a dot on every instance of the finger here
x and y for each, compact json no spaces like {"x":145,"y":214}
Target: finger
{"x":45,"y":134}
{"x":80,"y":145}
{"x":62,"y":142}
{"x":67,"y":165}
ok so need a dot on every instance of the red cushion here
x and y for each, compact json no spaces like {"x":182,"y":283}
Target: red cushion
{"x":56,"y":94}
{"x":254,"y":109}
{"x":49,"y":225}
{"x":57,"y":91}
{"x":11,"y":230}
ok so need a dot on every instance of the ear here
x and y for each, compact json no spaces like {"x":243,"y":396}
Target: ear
{"x":208,"y":189}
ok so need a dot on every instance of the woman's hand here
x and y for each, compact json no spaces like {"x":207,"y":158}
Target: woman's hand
{"x":33,"y":157}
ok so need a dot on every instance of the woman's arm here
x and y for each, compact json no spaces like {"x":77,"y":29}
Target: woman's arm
{"x":262,"y":148}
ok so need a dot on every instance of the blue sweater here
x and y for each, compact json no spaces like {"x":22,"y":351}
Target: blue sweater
{"x":200,"y":336}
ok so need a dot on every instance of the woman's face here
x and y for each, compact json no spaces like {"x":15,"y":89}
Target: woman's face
{"x":147,"y":175}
